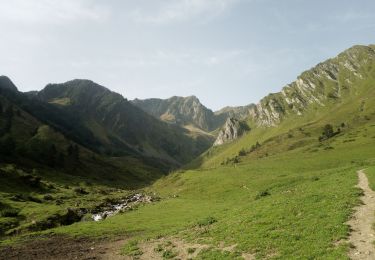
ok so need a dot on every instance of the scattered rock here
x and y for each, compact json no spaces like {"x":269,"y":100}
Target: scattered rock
{"x":111,"y":208}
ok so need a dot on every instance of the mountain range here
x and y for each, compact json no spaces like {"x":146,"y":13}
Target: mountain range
{"x":86,"y":146}
{"x":178,"y":129}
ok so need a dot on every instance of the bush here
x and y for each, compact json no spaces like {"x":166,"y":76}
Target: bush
{"x":159,"y":248}
{"x":6,"y":224}
{"x":328,"y":131}
{"x":48,"y":197}
{"x":80,"y":190}
{"x":30,"y":180}
{"x":262,"y":194}
{"x":169,"y":254}
{"x":9,"y":212}
{"x":131,"y":249}
{"x":25,"y":197}
{"x":206,"y":221}
{"x":191,"y":250}
{"x":242,"y":152}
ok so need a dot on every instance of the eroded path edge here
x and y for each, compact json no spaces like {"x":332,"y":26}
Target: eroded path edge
{"x":362,"y":234}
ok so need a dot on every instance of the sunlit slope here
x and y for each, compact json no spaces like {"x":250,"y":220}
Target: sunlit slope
{"x":280,"y":192}
{"x":290,"y":204}
{"x":354,"y":107}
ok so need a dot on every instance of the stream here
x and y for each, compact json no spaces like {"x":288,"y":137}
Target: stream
{"x":123,"y":205}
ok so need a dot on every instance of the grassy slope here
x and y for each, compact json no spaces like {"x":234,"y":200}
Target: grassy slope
{"x":311,"y":196}
{"x":370,"y":172}
{"x":101,"y":176}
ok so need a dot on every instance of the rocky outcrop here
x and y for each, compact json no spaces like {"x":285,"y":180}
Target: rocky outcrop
{"x":327,"y":82}
{"x":232,"y":129}
{"x":181,"y":111}
{"x":240,"y":112}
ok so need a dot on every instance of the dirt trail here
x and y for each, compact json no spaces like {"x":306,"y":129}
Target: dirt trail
{"x":362,"y":236}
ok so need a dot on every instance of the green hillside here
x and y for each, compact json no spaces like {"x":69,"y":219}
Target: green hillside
{"x":119,"y":127}
{"x":50,"y":157}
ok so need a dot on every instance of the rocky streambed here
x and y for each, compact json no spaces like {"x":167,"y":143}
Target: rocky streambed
{"x":105,"y":209}
{"x":126,"y":204}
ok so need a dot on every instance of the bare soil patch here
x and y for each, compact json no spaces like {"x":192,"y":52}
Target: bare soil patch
{"x":60,"y":247}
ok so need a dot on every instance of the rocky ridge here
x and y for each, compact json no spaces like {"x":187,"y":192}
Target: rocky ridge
{"x":232,"y":129}
{"x":326,"y":82}
{"x":181,"y":111}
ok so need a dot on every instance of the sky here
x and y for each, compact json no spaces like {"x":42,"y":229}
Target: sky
{"x":226,"y":52}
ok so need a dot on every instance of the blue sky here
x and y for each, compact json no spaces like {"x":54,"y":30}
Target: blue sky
{"x":226,"y":52}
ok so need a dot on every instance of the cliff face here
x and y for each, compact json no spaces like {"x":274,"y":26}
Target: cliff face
{"x":327,"y":82}
{"x":181,"y":111}
{"x":232,"y":129}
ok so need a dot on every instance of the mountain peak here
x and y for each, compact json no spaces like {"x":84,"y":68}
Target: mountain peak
{"x":6,"y":83}
{"x":181,"y":111}
{"x":79,"y":83}
{"x":79,"y":90}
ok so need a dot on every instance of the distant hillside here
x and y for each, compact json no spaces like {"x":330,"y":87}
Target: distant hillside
{"x":39,"y":136}
{"x":181,"y":111}
{"x":118,"y":126}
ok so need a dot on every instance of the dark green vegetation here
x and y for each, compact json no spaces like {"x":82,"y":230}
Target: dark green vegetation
{"x":76,"y":140}
{"x":118,"y":127}
{"x":279,"y":192}
{"x":131,"y":248}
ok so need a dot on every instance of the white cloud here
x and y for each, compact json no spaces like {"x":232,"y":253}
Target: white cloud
{"x":182,"y":10}
{"x":187,"y":58}
{"x":51,"y":11}
{"x":164,"y":59}
{"x":353,"y":16}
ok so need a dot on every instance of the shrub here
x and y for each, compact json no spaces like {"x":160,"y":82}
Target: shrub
{"x":262,"y":194}
{"x":242,"y":152}
{"x":25,"y":197}
{"x":206,"y":221}
{"x":9,"y":212}
{"x":131,"y":249}
{"x":159,"y":248}
{"x":80,"y":190}
{"x":328,"y":131}
{"x":33,"y":181}
{"x":169,"y":254}
{"x":191,"y":250}
{"x":48,"y":197}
